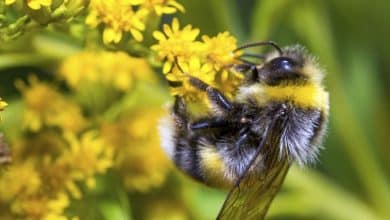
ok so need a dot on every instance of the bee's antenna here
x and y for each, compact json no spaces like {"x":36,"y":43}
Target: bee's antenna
{"x":262,"y":43}
{"x":178,"y":65}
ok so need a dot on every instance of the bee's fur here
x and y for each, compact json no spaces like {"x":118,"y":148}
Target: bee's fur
{"x":222,"y":143}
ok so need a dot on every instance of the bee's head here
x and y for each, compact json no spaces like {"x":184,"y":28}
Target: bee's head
{"x":280,"y":70}
{"x":287,"y":66}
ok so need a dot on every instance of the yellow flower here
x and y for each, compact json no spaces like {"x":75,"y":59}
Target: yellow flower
{"x":139,"y":158}
{"x":87,"y":156}
{"x":56,"y":207}
{"x":163,"y":6}
{"x":209,"y":61}
{"x":174,"y":43}
{"x":9,"y":2}
{"x":219,"y":50}
{"x":47,"y":107}
{"x":19,"y":179}
{"x":118,"y":17}
{"x":37,"y":4}
{"x":196,"y":69}
{"x":116,"y":69}
{"x":47,"y":169}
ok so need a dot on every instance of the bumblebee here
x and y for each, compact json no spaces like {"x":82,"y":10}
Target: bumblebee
{"x":278,"y":116}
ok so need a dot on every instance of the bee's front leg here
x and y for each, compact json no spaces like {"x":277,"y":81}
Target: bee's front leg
{"x":179,"y":111}
{"x":250,"y":70}
{"x":215,"y":96}
{"x":209,"y":123}
{"x":243,"y":136}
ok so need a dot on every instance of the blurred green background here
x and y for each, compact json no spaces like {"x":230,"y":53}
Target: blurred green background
{"x":351,"y":179}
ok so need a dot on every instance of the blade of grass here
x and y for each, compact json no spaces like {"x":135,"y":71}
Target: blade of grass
{"x":266,"y":14}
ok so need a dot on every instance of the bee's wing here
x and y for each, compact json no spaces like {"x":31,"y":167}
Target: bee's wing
{"x":252,"y":195}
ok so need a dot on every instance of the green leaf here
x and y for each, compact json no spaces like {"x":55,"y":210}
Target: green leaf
{"x":113,"y":210}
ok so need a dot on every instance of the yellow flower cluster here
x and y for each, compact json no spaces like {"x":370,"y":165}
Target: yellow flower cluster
{"x":33,"y":4}
{"x":209,"y":60}
{"x":46,"y":107}
{"x":66,"y":148}
{"x":114,"y":69}
{"x":139,"y":159}
{"x":126,"y":16}
{"x":49,"y":164}
{"x":46,"y":171}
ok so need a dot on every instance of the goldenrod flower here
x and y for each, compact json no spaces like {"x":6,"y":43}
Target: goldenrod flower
{"x":33,"y":4}
{"x":219,"y":50}
{"x":47,"y":107}
{"x":115,"y":69}
{"x":47,"y":168}
{"x":86,"y":157}
{"x":9,"y":2}
{"x":19,"y":179}
{"x":139,"y":158}
{"x":184,"y":56}
{"x":37,"y":4}
{"x":193,"y":68}
{"x":174,"y":43}
{"x":118,"y":17}
{"x":162,"y":6}
{"x":56,"y":207}
{"x":107,"y":68}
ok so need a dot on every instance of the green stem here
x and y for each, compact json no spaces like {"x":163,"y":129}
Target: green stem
{"x":22,"y":59}
{"x":54,"y":46}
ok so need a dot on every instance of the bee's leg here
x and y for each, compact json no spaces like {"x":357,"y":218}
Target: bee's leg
{"x":209,"y":123}
{"x":243,"y":135}
{"x":215,"y":96}
{"x":180,"y":113}
{"x":249,"y":69}
{"x":244,"y":67}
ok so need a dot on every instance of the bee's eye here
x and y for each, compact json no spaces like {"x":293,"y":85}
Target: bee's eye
{"x":282,"y":65}
{"x":280,"y":69}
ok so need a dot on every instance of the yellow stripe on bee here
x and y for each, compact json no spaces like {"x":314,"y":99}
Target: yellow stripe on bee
{"x":306,"y":96}
{"x":213,"y":166}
